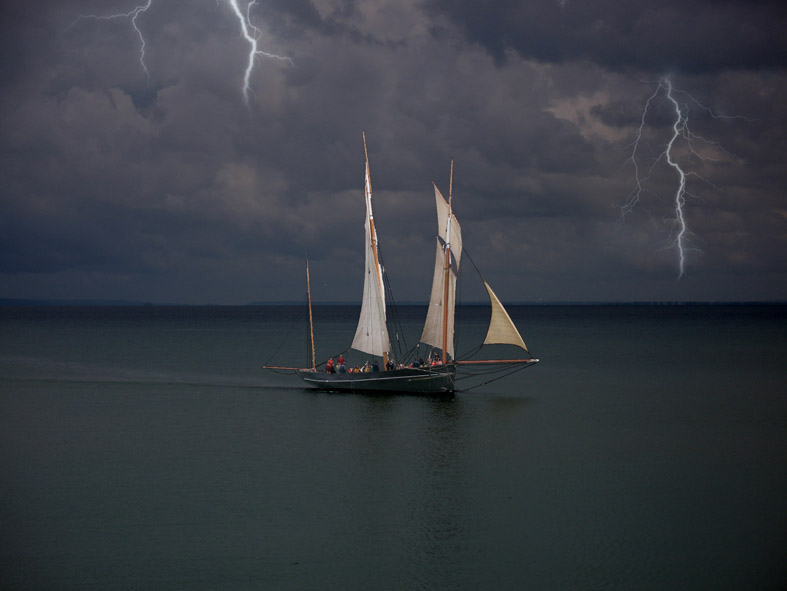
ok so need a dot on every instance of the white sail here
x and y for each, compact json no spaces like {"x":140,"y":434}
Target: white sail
{"x":371,"y":336}
{"x":449,"y":234}
{"x":501,"y":328}
{"x":454,"y":231}
{"x":433,"y":327}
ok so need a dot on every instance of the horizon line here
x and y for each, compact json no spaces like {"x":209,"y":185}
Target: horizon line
{"x":32,"y":302}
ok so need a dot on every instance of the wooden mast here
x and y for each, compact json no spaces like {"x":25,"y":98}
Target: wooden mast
{"x":372,"y":231}
{"x":311,"y":320}
{"x":447,"y":277}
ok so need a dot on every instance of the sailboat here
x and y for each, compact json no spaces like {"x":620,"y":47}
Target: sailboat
{"x":438,"y":374}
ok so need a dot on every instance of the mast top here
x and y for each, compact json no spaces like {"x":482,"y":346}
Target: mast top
{"x":368,"y":174}
{"x":450,"y":187}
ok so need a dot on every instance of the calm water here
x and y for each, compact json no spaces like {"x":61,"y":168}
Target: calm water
{"x":143,"y":448}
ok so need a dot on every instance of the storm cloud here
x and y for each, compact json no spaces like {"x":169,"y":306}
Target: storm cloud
{"x":168,"y":188}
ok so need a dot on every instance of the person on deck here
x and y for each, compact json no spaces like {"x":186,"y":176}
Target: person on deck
{"x":329,"y":366}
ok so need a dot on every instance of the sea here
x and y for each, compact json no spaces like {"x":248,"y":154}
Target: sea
{"x":144,"y":447}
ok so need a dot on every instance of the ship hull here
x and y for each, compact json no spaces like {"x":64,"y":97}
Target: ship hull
{"x":432,"y":381}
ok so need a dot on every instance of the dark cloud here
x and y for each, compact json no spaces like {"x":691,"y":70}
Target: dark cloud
{"x":170,"y":188}
{"x":642,"y":35}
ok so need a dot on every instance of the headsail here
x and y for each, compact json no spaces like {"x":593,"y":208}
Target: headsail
{"x":501,"y":328}
{"x":371,"y":336}
{"x":449,"y":234}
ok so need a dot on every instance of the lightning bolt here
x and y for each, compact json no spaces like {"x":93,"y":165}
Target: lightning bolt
{"x":680,"y":128}
{"x":133,"y":15}
{"x":250,"y":33}
{"x":680,"y":131}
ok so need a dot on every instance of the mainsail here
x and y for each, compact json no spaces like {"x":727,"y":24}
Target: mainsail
{"x":371,"y":336}
{"x":449,"y":237}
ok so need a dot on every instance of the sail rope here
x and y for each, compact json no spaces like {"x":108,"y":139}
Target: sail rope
{"x":466,"y":253}
{"x":500,"y":377}
{"x":470,"y":353}
{"x":341,"y":353}
{"x":294,"y":321}
{"x":458,"y":306}
{"x":457,"y":323}
{"x":393,"y":318}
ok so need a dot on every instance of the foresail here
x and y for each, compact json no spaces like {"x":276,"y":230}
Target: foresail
{"x":433,"y":327}
{"x":371,"y":336}
{"x":501,"y":328}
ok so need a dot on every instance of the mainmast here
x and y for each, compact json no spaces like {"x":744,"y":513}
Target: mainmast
{"x":439,"y":325}
{"x":446,"y":281}
{"x":373,"y":232}
{"x":371,"y":336}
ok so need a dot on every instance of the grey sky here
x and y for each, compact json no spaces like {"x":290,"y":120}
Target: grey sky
{"x":171,"y":189}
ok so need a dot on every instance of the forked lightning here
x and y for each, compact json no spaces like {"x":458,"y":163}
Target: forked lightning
{"x":680,"y":130}
{"x":250,"y":33}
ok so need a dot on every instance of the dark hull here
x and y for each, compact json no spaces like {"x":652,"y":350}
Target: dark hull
{"x":435,"y":380}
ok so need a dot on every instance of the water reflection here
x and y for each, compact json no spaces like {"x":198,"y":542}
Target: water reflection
{"x":417,"y":468}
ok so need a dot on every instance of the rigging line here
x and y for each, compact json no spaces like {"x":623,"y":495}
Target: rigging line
{"x":474,"y":373}
{"x":466,"y":375}
{"x":324,"y":361}
{"x":289,"y":331}
{"x":472,"y":262}
{"x":494,"y":380}
{"x":466,"y":372}
{"x":307,"y":339}
{"x":470,"y":353}
{"x":394,"y":317}
{"x":458,"y":307}
{"x":411,"y":353}
{"x":466,"y":253}
{"x":283,"y":372}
